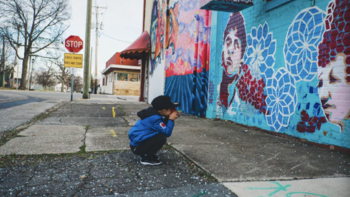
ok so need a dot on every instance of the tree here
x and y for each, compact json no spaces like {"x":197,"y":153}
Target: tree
{"x":78,"y":83}
{"x":63,"y":74}
{"x":43,"y":22}
{"x":6,"y":54}
{"x":92,"y":82}
{"x":46,"y":78}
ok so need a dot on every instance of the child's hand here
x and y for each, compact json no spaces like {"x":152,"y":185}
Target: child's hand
{"x":174,"y":115}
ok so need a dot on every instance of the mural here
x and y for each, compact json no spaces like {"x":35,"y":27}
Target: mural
{"x":334,"y":64}
{"x":187,"y":55}
{"x":247,"y":65}
{"x":157,"y":33}
{"x":232,"y":60}
{"x":303,"y":91}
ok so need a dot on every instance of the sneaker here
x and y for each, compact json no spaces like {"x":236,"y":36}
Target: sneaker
{"x":152,"y":161}
{"x":156,"y":157}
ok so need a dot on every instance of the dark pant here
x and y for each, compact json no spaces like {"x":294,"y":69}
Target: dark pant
{"x":150,"y":146}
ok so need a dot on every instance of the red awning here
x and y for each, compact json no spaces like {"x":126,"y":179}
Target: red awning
{"x":140,"y":47}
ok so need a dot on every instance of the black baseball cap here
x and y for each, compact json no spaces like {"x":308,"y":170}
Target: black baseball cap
{"x":164,"y":102}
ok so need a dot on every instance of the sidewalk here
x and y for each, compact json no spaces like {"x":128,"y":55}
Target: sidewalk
{"x":231,"y":155}
{"x":249,"y":163}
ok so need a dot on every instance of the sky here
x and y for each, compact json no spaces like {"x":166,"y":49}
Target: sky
{"x":122,"y":24}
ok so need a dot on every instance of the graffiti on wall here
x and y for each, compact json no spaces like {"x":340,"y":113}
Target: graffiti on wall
{"x":308,"y":93}
{"x":334,"y":64}
{"x":187,"y":55}
{"x":283,"y":190}
{"x":234,"y":44}
{"x":247,"y":62}
{"x":158,"y":19}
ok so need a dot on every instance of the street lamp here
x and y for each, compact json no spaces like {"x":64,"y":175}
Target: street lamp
{"x":31,"y":73}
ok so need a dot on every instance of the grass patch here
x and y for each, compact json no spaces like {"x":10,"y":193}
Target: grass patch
{"x":2,"y":88}
{"x":82,"y":149}
{"x":120,"y":109}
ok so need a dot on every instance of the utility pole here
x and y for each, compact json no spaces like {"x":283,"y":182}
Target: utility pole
{"x":90,"y":66}
{"x":87,"y":50}
{"x":96,"y":47}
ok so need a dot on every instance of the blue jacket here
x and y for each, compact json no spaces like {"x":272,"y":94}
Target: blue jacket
{"x":151,"y":124}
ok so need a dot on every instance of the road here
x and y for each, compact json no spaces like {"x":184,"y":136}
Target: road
{"x":20,"y":107}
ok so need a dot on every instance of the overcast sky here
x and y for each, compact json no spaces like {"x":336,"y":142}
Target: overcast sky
{"x":122,"y":21}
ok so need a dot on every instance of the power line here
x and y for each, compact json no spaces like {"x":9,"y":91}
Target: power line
{"x":115,"y":38}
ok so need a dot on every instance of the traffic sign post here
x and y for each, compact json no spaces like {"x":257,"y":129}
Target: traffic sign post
{"x":72,"y":71}
{"x":72,"y":88}
{"x":73,"y":61}
{"x":73,"y":44}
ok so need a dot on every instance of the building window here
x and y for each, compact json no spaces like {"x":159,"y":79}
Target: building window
{"x":134,"y":77}
{"x":122,"y":77}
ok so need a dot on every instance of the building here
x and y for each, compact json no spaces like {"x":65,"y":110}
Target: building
{"x":279,"y":65}
{"x":121,"y":76}
{"x":17,"y":76}
{"x":58,"y":87}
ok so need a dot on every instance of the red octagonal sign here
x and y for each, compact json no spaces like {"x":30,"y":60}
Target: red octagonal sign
{"x":74,"y":44}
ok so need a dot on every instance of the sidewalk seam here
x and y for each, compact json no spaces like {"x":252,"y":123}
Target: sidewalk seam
{"x":189,"y":158}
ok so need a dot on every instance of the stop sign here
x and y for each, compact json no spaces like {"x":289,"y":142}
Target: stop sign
{"x":74,"y":44}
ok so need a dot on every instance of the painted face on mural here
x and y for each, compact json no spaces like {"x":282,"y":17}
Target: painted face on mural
{"x":334,"y":90}
{"x":334,"y":65}
{"x":232,"y":53}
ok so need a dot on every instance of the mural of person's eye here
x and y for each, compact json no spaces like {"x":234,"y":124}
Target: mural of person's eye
{"x":333,"y":79}
{"x":228,"y":41}
{"x":320,"y":83}
{"x":237,"y":44}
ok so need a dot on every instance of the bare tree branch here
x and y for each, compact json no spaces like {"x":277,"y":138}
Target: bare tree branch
{"x":42,"y":23}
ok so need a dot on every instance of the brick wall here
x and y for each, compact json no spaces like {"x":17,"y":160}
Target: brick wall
{"x":284,"y":69}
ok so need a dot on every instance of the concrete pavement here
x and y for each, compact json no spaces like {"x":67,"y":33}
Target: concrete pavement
{"x":42,"y":139}
{"x":323,"y":187}
{"x":19,"y":115}
{"x":233,"y":156}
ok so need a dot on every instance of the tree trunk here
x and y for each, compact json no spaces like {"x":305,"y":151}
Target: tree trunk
{"x":13,"y":79}
{"x":24,"y":73}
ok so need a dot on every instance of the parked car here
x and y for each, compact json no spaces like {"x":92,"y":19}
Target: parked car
{"x":90,"y":91}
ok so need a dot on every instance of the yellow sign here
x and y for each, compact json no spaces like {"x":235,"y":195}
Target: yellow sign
{"x":73,"y":60}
